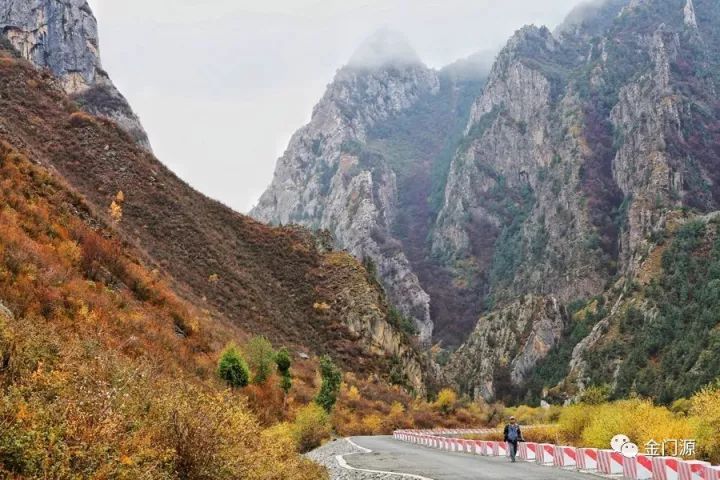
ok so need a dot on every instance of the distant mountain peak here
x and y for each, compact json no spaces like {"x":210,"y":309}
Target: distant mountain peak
{"x":385,"y":48}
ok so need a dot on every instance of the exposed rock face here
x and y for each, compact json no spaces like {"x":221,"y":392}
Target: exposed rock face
{"x":511,"y":214}
{"x":506,"y":345}
{"x":690,"y":19}
{"x":327,"y":180}
{"x":4,"y":311}
{"x":359,"y":304}
{"x":62,"y":35}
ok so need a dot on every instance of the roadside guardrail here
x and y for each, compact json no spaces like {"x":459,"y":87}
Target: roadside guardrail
{"x":591,"y":460}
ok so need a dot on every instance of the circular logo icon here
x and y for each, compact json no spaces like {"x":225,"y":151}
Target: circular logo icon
{"x":629,"y":450}
{"x":618,"y":441}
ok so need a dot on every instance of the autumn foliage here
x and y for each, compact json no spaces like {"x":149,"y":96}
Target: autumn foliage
{"x":367,"y":406}
{"x":105,"y":372}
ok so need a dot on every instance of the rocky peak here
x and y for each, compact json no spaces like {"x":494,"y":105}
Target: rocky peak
{"x":689,"y":12}
{"x":62,"y":36}
{"x":590,"y":18}
{"x":365,"y":96}
{"x":531,"y":37}
{"x":515,"y":83}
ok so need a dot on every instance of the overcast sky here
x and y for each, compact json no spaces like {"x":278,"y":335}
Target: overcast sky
{"x":220,"y":85}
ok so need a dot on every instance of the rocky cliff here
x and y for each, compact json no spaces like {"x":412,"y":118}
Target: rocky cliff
{"x":62,"y":35}
{"x":503,"y":350}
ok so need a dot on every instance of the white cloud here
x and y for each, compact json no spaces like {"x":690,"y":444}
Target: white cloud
{"x":220,"y":85}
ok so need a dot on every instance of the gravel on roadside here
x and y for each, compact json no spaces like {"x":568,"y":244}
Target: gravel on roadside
{"x":326,"y":455}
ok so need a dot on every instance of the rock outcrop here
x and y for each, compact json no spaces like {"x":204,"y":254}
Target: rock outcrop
{"x":504,"y":348}
{"x":62,"y":35}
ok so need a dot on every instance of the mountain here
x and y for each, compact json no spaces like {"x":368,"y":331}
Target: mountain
{"x":284,"y":283}
{"x":62,"y":35}
{"x":543,"y":208}
{"x":369,"y":166}
{"x":582,"y":149}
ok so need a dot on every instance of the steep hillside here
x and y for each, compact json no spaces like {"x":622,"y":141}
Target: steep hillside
{"x":370,"y":168}
{"x":104,"y":372}
{"x":281,"y":282}
{"x":660,"y":338}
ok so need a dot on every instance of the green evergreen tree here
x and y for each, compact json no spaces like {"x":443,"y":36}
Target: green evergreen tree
{"x":330,"y":388}
{"x":283,"y":362}
{"x":232,"y":368}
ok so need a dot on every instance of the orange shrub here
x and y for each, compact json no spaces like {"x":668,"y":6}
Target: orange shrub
{"x":267,"y":401}
{"x":81,"y":119}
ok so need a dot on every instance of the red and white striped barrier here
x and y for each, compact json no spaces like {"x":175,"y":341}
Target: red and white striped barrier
{"x":641,"y":467}
{"x":470,"y":446}
{"x":610,"y":462}
{"x":500,"y":449}
{"x":666,"y":468}
{"x":459,"y":445}
{"x":691,"y":469}
{"x":545,"y":454}
{"x":587,"y":458}
{"x":711,"y":472}
{"x":638,"y":468}
{"x":490,"y":447}
{"x":564,"y":456}
{"x":526,"y":451}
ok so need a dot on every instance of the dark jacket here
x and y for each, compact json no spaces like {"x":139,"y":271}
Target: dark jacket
{"x":505,"y":433}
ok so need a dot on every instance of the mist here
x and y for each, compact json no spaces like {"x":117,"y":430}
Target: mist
{"x":384,"y":47}
{"x":221,"y":85}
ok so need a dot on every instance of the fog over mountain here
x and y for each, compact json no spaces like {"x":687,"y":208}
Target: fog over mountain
{"x":255,"y":69}
{"x":385,"y":47}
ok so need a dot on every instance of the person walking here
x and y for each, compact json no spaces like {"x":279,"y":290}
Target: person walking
{"x":512,"y":435}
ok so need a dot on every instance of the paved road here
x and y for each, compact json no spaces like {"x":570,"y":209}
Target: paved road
{"x":395,"y":456}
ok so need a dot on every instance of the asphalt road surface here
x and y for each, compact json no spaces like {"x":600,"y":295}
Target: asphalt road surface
{"x":394,"y":456}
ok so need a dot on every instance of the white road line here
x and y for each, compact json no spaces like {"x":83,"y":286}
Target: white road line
{"x":341,"y":461}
